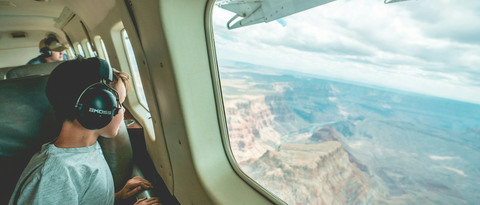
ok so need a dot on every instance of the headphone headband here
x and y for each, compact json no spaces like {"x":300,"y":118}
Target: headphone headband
{"x":106,"y":72}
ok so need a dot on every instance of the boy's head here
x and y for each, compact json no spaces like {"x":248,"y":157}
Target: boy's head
{"x":70,"y":79}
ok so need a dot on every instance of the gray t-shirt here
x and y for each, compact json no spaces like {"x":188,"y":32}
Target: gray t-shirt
{"x":65,"y":176}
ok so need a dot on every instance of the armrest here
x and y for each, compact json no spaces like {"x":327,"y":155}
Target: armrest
{"x":145,"y":193}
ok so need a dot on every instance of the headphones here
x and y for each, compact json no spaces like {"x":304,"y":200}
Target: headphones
{"x":99,"y":102}
{"x":46,"y":51}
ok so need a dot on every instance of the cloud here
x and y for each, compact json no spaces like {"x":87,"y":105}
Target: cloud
{"x":432,"y":45}
{"x":455,"y":22}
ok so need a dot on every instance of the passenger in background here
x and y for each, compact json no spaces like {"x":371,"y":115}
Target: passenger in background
{"x":50,"y":51}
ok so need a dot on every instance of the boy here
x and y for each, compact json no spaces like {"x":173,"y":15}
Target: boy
{"x":72,"y":169}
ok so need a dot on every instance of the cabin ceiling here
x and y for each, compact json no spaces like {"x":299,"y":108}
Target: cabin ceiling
{"x":37,"y":18}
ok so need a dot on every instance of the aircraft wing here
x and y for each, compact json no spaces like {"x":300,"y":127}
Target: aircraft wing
{"x":257,"y":11}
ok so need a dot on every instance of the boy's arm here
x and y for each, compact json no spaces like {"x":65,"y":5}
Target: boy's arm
{"x":133,"y":186}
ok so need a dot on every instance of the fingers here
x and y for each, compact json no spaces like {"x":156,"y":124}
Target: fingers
{"x":140,"y":201}
{"x":150,"y":201}
{"x":142,"y":185}
{"x":153,"y":200}
{"x":134,"y":186}
{"x":133,"y":191}
{"x":147,"y":185}
{"x":139,"y":181}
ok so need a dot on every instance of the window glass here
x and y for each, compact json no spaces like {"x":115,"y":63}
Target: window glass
{"x":87,"y":52}
{"x":354,"y":102}
{"x":104,"y":51}
{"x":80,"y":50}
{"x":71,"y":53}
{"x":90,"y":50}
{"x":134,"y":68}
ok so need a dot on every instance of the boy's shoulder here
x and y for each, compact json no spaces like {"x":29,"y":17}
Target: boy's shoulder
{"x":73,"y":160}
{"x":71,"y":171}
{"x":72,"y":163}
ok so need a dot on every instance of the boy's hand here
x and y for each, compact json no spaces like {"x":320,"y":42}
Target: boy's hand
{"x":133,"y":186}
{"x":145,"y":201}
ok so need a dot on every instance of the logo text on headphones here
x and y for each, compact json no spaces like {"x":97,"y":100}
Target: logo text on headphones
{"x":98,"y":111}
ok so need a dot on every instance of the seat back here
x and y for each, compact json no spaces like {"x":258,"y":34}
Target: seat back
{"x":35,"y":69}
{"x":4,"y":71}
{"x":27,"y":121}
{"x":118,"y":153}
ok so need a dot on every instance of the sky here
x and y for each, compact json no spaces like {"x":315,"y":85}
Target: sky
{"x":424,"y":46}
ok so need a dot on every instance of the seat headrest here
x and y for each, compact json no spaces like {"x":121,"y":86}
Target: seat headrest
{"x":4,"y":71}
{"x":29,"y":70}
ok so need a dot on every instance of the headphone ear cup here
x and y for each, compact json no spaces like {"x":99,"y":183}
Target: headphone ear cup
{"x":96,"y":108}
{"x":46,"y":51}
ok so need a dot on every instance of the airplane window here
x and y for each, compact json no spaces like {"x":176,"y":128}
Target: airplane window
{"x":90,"y":50}
{"x":84,"y":45}
{"x":104,"y":51}
{"x":71,"y":53}
{"x":354,"y":102}
{"x":80,"y":50}
{"x":133,"y":65}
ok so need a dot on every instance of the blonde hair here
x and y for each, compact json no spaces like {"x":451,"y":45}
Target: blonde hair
{"x":124,"y":77}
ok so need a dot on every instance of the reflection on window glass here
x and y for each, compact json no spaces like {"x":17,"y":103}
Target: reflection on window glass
{"x":80,"y":50}
{"x":71,"y":53}
{"x":133,"y":65}
{"x":90,"y":50}
{"x":104,"y":51}
{"x":356,"y":102}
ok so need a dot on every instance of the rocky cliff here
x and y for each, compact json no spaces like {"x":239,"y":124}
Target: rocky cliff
{"x":312,"y":168}
{"x":311,"y":174}
{"x":258,"y":125}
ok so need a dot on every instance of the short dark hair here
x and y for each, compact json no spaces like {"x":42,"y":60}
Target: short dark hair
{"x":69,"y":79}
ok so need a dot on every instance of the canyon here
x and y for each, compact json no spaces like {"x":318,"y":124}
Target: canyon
{"x":315,"y":141}
{"x":320,"y":172}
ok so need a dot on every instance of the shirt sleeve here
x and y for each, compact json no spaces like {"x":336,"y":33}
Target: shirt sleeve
{"x":49,"y":189}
